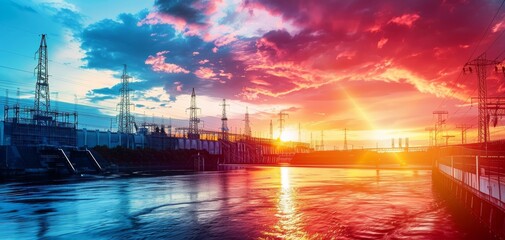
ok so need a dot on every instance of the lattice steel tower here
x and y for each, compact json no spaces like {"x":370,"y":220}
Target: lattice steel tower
{"x":42,"y":100}
{"x":125,"y":119}
{"x":224,"y":122}
{"x":247,"y":127}
{"x":481,"y":63}
{"x":281,"y":122}
{"x":440,"y":124}
{"x":193,"y":118}
{"x":271,"y":130}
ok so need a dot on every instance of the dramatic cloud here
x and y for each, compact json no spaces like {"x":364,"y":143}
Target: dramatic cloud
{"x":205,"y":73}
{"x":406,"y":19}
{"x":326,"y":57}
{"x":159,"y":64}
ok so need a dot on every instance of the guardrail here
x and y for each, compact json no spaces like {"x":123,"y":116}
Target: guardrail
{"x":483,"y":175}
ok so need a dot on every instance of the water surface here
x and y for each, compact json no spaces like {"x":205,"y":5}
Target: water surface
{"x":252,"y":203}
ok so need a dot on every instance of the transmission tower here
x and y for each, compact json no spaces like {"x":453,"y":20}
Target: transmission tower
{"x":440,"y":124}
{"x":193,"y":118}
{"x":299,"y":133}
{"x":463,"y":128}
{"x":430,"y":135}
{"x":447,"y":139}
{"x":125,"y":119}
{"x":271,"y":130}
{"x":322,"y":140}
{"x":247,"y":127}
{"x":345,"y":138}
{"x":481,"y":64}
{"x":42,"y":98}
{"x":224,"y":122}
{"x":281,"y":122}
{"x":311,"y":142}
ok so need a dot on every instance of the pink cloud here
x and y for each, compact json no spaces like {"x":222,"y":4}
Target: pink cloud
{"x":214,"y":50}
{"x":159,"y":65}
{"x":382,"y":42}
{"x":406,"y":19}
{"x":499,"y":26}
{"x":204,"y":61}
{"x":195,"y":53}
{"x":260,"y":82}
{"x":205,"y":73}
{"x":178,"y":86}
{"x":226,"y":75}
{"x":225,"y":40}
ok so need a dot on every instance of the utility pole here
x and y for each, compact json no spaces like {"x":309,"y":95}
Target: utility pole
{"x":193,"y":118}
{"x":440,"y":124}
{"x":224,"y":122}
{"x":311,"y":142}
{"x":322,"y":140}
{"x":345,"y":139}
{"x":481,"y":64}
{"x":247,"y":127}
{"x":430,"y":135}
{"x":447,"y":139}
{"x":281,"y":122}
{"x":463,"y":128}
{"x":125,"y":119}
{"x":170,"y":126}
{"x":42,"y":98}
{"x":299,"y":133}
{"x":271,"y":130}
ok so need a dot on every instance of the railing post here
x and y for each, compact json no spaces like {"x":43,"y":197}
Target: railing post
{"x":452,"y":167}
{"x":477,"y":172}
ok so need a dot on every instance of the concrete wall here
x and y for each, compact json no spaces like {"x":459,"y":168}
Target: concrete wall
{"x":92,"y":138}
{"x":213,"y":147}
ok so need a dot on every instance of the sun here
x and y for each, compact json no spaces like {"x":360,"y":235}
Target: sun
{"x":288,"y":135}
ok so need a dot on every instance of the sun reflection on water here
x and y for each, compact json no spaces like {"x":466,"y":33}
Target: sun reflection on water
{"x":289,"y":225}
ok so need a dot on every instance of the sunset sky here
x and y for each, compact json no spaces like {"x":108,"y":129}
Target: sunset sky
{"x":377,"y":68}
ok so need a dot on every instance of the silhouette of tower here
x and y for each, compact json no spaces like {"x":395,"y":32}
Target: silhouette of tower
{"x":463,"y":128}
{"x":271,"y":130}
{"x":42,"y":98}
{"x":125,"y":119}
{"x":281,"y":122}
{"x":322,"y":140}
{"x":193,"y":132}
{"x":224,"y":122}
{"x":345,"y":139}
{"x":299,"y":133}
{"x":440,"y":124}
{"x":481,"y":63}
{"x":247,"y":127}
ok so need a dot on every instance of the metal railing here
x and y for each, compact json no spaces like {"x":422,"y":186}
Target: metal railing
{"x":485,"y":175}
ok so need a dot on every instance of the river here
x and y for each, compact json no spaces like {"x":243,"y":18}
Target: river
{"x":246,"y":203}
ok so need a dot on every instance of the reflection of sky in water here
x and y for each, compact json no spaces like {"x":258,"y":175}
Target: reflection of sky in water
{"x":264,"y":202}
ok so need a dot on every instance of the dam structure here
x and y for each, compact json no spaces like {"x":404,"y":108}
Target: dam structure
{"x":41,"y":139}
